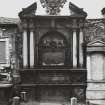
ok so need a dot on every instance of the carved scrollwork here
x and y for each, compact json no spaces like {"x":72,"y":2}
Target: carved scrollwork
{"x":94,"y":29}
{"x":53,"y":6}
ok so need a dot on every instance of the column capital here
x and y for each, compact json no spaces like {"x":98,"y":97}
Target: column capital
{"x":24,"y":24}
{"x":74,"y":29}
{"x":74,"y":24}
{"x":81,"y":29}
{"x":31,"y":29}
{"x":31,"y":24}
{"x":81,"y":24}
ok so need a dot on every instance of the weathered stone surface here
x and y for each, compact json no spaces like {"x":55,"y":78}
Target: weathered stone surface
{"x":96,"y":86}
{"x":97,"y":102}
{"x":94,"y":29}
{"x":96,"y":94}
{"x":97,"y":66}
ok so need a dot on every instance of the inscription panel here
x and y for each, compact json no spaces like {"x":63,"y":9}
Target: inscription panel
{"x":47,"y":76}
{"x":60,"y":77}
{"x":53,"y":77}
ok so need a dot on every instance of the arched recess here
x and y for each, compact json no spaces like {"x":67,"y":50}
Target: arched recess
{"x":53,"y":48}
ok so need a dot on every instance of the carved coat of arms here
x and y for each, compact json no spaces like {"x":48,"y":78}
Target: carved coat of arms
{"x":53,"y":6}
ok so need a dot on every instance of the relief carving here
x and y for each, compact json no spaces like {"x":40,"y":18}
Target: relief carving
{"x":53,"y":6}
{"x":52,"y":50}
{"x":94,"y":30}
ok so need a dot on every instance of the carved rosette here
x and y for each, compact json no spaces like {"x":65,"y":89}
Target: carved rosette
{"x":53,"y":6}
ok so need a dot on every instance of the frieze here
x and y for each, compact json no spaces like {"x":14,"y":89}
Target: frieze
{"x":29,"y":11}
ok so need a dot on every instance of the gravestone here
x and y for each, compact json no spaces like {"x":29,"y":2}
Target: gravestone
{"x":95,"y":92}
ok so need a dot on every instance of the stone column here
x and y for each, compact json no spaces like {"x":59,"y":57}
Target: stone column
{"x":31,"y":48}
{"x":88,"y":67}
{"x":25,"y":49}
{"x":74,"y":48}
{"x":80,"y":48}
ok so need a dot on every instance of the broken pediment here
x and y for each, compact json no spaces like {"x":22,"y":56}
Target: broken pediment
{"x":53,"y":8}
{"x":29,"y":11}
{"x":62,"y":8}
{"x":76,"y":11}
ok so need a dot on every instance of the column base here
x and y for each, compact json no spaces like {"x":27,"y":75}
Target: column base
{"x":95,"y":92}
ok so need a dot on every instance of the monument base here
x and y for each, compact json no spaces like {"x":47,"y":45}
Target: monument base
{"x":95,"y":92}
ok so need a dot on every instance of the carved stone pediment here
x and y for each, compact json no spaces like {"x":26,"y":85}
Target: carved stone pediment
{"x":96,"y":46}
{"x":76,"y":11}
{"x":53,"y":7}
{"x":29,"y":11}
{"x":96,"y":43}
